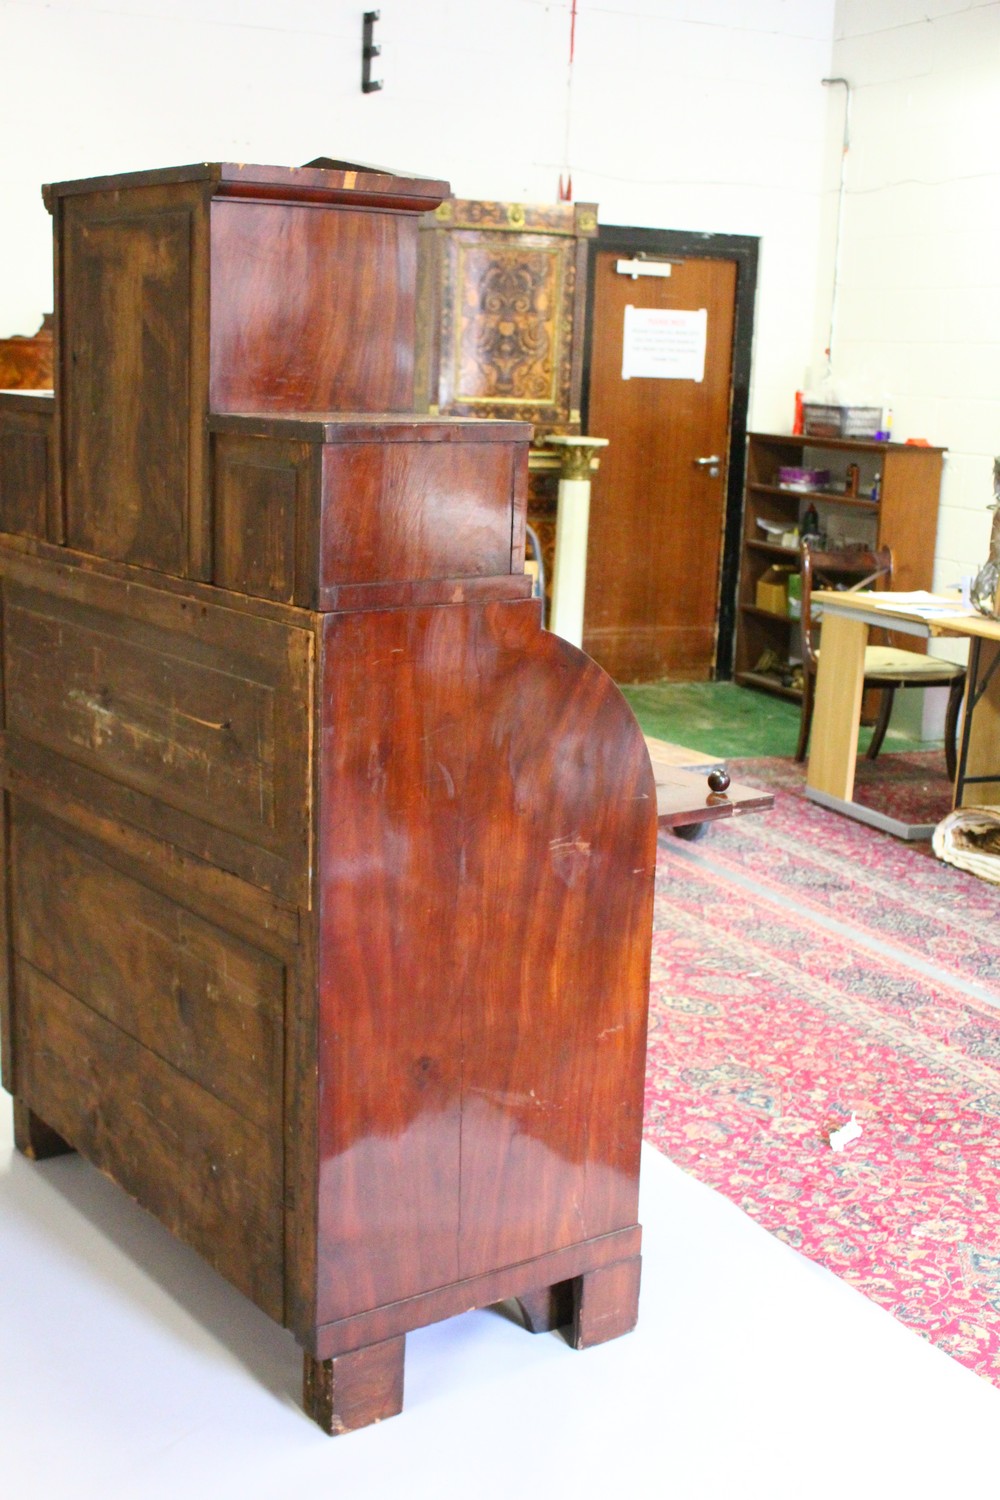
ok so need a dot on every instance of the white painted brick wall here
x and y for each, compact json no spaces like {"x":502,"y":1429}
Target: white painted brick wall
{"x":686,"y":114}
{"x":919,"y":298}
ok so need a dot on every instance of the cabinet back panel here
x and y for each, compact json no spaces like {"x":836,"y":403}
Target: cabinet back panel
{"x":210,"y":1176}
{"x":261,"y":500}
{"x":125,"y":342}
{"x":217,"y":730}
{"x":203,"y":1000}
{"x":25,"y":474}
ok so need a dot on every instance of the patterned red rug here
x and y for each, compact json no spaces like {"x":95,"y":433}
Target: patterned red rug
{"x":806,"y":969}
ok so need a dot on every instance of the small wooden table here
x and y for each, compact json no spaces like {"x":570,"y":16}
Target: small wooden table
{"x":839,"y":685}
{"x":685,"y":797}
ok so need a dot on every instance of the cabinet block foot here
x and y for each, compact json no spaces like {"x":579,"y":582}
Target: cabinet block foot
{"x":547,"y":1307}
{"x":353,"y":1390}
{"x":33,"y":1138}
{"x":606,"y":1303}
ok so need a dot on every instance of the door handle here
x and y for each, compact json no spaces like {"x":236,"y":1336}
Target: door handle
{"x":711,"y":464}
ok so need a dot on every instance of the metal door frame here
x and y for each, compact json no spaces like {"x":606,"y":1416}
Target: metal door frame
{"x":744,"y":250}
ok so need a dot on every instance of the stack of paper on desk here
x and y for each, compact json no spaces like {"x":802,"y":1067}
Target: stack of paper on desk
{"x":918,"y":602}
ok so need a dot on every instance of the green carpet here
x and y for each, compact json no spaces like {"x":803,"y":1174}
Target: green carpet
{"x":722,"y":719}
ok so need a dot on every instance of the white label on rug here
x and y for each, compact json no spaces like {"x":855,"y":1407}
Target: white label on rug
{"x":845,"y":1135}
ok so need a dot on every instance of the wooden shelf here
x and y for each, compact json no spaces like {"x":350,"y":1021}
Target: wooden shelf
{"x":766,"y":614}
{"x":842,"y":445}
{"x":828,"y":497}
{"x":770,"y":684}
{"x":772,"y":549}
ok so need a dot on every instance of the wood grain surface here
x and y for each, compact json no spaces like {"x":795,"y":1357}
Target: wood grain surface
{"x":327,"y":872}
{"x":210,"y":1176}
{"x":311,"y":311}
{"x":27,"y":475}
{"x":130,"y":384}
{"x":211,"y":1005}
{"x":656,"y":517}
{"x":306,"y":509}
{"x":193,"y":722}
{"x":481,"y":1026}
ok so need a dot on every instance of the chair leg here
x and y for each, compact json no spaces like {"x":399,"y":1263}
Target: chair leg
{"x":805,"y":722}
{"x":882,"y":722}
{"x":955,"y":696}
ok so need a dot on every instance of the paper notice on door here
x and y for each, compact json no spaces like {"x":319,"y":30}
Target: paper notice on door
{"x":664,"y":343}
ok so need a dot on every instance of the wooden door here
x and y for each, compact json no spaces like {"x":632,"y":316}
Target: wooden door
{"x":657,"y":511}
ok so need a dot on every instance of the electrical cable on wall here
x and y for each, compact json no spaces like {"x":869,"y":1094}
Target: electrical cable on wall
{"x":538,"y":591}
{"x":566,"y":186}
{"x":845,"y":147}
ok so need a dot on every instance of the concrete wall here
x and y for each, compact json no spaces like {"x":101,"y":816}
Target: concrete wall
{"x":702,"y":115}
{"x":918,"y":304}
{"x":684,"y":114}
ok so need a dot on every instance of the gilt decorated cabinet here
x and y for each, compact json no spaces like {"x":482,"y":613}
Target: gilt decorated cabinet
{"x":328,"y":871}
{"x":501,"y":304}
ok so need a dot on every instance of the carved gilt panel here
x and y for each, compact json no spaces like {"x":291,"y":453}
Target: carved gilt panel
{"x":501,"y":310}
{"x":506,"y":344}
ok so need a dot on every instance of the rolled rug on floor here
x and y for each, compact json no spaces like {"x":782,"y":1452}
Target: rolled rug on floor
{"x":969,"y":838}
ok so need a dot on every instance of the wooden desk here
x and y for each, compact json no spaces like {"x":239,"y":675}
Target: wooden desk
{"x":839,"y":682}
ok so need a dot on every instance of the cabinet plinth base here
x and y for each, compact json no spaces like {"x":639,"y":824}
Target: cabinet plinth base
{"x":353,"y":1390}
{"x":547,"y":1308}
{"x":33,"y":1138}
{"x":606,"y":1303}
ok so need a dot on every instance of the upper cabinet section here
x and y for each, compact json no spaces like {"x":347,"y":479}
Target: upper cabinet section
{"x":216,"y":288}
{"x":366,"y":512}
{"x":502,"y":289}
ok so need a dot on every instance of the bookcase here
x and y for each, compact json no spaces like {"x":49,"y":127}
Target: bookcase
{"x":896,"y":506}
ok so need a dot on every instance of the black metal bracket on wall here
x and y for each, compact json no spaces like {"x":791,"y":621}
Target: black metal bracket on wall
{"x":369,"y":49}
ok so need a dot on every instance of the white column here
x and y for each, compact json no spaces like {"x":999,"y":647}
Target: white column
{"x":569,"y":570}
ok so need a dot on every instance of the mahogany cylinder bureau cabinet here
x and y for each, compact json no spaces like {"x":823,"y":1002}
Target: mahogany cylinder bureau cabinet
{"x":328,"y":871}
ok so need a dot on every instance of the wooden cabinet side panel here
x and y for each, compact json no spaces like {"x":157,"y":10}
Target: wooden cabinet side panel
{"x":487,"y":827}
{"x":908,"y":515}
{"x":399,"y":511}
{"x":555,"y":896}
{"x":311,"y":310}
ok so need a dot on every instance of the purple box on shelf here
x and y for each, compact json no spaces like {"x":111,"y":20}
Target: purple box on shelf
{"x":791,"y":478}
